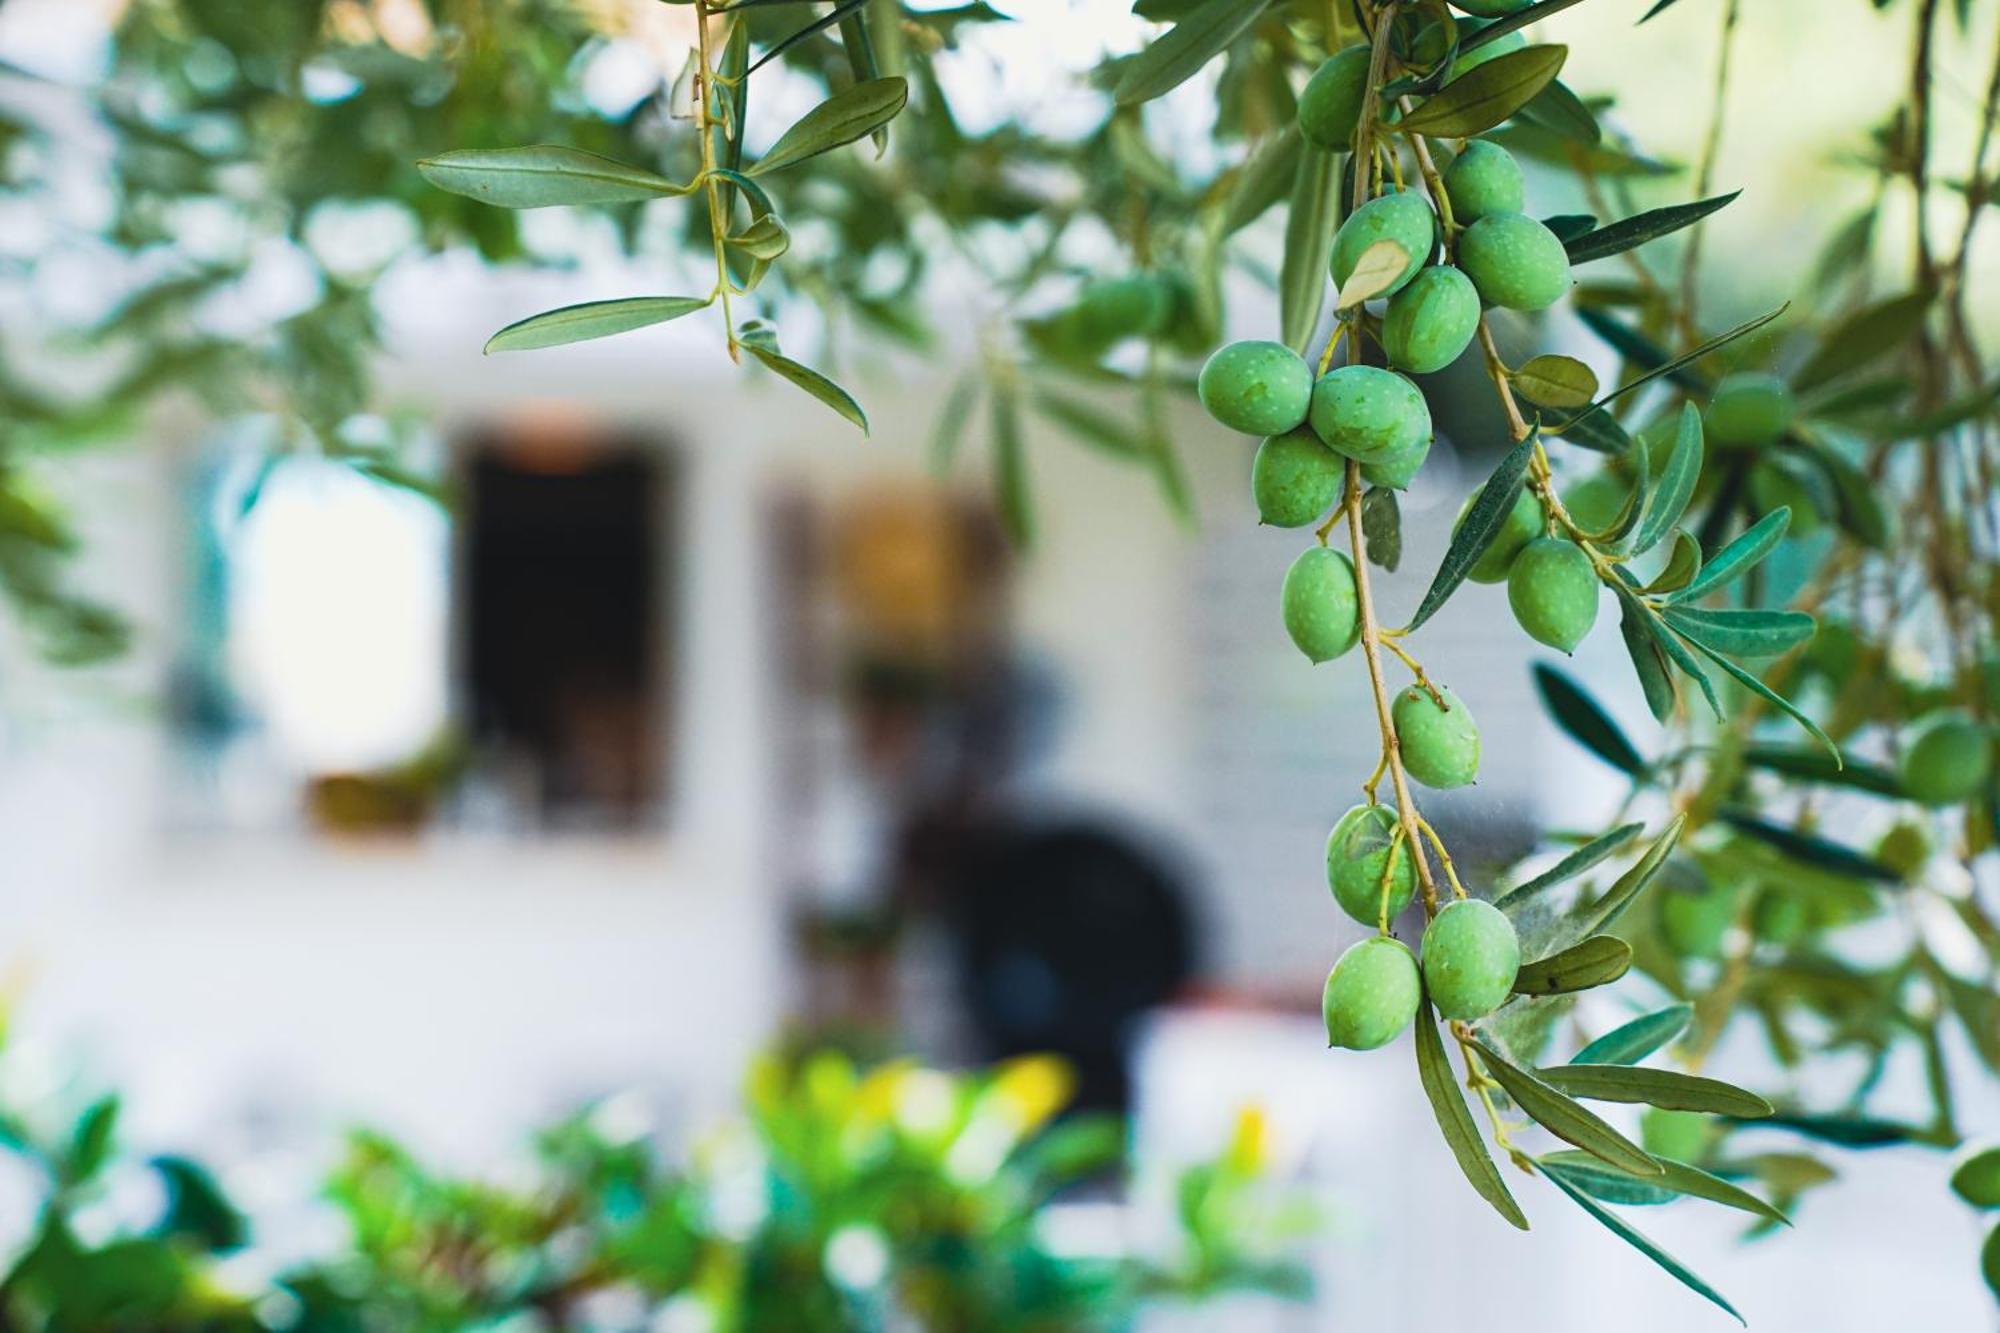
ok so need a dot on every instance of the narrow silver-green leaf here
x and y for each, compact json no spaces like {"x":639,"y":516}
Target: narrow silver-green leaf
{"x":949,"y":431}
{"x":1625,"y":1232}
{"x":1748,"y":679}
{"x":1634,"y":1041}
{"x":543,"y":176}
{"x":1185,"y":48}
{"x":814,"y":383}
{"x":1741,"y":632}
{"x":1666,"y":1088}
{"x":1583,"y":858}
{"x":1564,"y":1118}
{"x":1735,"y":559}
{"x":1696,"y":1183}
{"x":1461,"y":1135}
{"x":1486,"y":94}
{"x":1263,"y":178}
{"x":1585,"y":719}
{"x":1865,"y":336}
{"x":1597,"y":916}
{"x":1596,"y":961}
{"x":592,"y":319}
{"x":1676,"y":485}
{"x":1630,"y":233}
{"x":1809,"y":848}
{"x":1561,"y":112}
{"x":1681,"y":567}
{"x":1482,"y":524}
{"x":1309,"y":229}
{"x":840,"y":119}
{"x":1010,"y":469}
{"x":1091,"y":424}
{"x":1640,"y":630}
{"x":1679,"y":366}
{"x":1606,"y":1183}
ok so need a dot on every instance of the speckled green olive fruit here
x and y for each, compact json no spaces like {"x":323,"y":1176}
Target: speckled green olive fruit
{"x":1976,"y":1178}
{"x":1694,"y":922}
{"x":1471,"y":954}
{"x":1368,"y":414}
{"x":1357,"y":858}
{"x":1295,"y":478}
{"x":1523,"y":524}
{"x":1397,"y":468}
{"x":1330,"y":103}
{"x":1553,"y":589}
{"x":1514,"y":261}
{"x":1371,"y":994}
{"x":1680,"y":1135}
{"x":1483,"y":179}
{"x":1946,"y":758}
{"x":1320,"y":610}
{"x":1499,"y":46}
{"x":1259,"y":388}
{"x":1431,"y":320}
{"x":1402,"y":217}
{"x":1749,"y":407}
{"x":1596,"y":501}
{"x":1440,"y":746}
{"x":1780,"y":917}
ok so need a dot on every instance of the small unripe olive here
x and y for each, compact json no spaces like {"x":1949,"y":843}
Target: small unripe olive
{"x":1989,"y":1260}
{"x":1431,"y":320}
{"x":1694,"y":922}
{"x":1523,"y":524}
{"x":1780,"y":917}
{"x":1295,"y":478}
{"x":1680,"y":1135}
{"x":1129,"y":307}
{"x":1259,"y":388}
{"x":1358,"y":856}
{"x":1553,"y":589}
{"x":1471,"y":954}
{"x":1440,"y":746}
{"x":1596,"y":501}
{"x":1402,"y":217}
{"x":1371,"y":994}
{"x":1397,"y":468}
{"x":1499,"y":46}
{"x":1976,"y":1179}
{"x":1946,"y":759}
{"x":1514,"y":261}
{"x":1320,"y":610}
{"x":1483,"y":179}
{"x":1748,"y":407}
{"x":1904,"y":849}
{"x":1330,"y":103}
{"x":1368,"y":414}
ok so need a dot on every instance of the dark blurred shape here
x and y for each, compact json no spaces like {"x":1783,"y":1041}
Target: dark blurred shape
{"x":1067,"y":935}
{"x":562,"y":641}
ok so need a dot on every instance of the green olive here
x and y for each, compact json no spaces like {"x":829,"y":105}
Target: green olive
{"x":1130,"y":307}
{"x":1295,"y":478}
{"x":1779,"y":917}
{"x":1259,"y":388}
{"x":1681,"y":1136}
{"x":1359,"y":869}
{"x":1946,"y":759}
{"x":1330,"y":103}
{"x":1989,"y":1260}
{"x":1320,"y":609}
{"x":1440,"y":745}
{"x":1402,"y":217}
{"x":1552,"y":588}
{"x":1431,"y":320}
{"x":1371,"y":994}
{"x":1514,"y":261}
{"x":1904,"y":849}
{"x":1749,"y":407}
{"x":1694,"y":922}
{"x":1471,"y":954}
{"x":1481,"y":180}
{"x":1369,"y":414}
{"x":1397,"y":468}
{"x":1976,"y":1179}
{"x":1524,"y":523}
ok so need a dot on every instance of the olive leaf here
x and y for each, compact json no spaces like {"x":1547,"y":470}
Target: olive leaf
{"x":1560,"y":111}
{"x":1695,"y":1183}
{"x":838,"y":14}
{"x":1091,"y":424}
{"x":1263,"y":178}
{"x":1666,"y":1088}
{"x":1865,"y":336}
{"x":1592,"y":853}
{"x":814,"y":383}
{"x":1380,"y":265}
{"x":1809,"y":848}
{"x":1461,"y":1135}
{"x":1486,"y":94}
{"x":1683,"y":563}
{"x":1737,"y":558}
{"x":1634,"y":1041}
{"x":1010,"y":468}
{"x":1482,"y":524}
{"x":1556,"y":381}
{"x":762,"y":238}
{"x":1807,"y":765}
{"x":544,"y":176}
{"x":949,"y":432}
{"x":1847,"y":1131}
{"x":841,"y":119}
{"x":1594,"y":429}
{"x":1309,"y":229}
{"x":1597,"y":915}
{"x":1596,"y":961}
{"x":1185,"y":48}
{"x":1564,"y":1118}
{"x":1749,"y":681}
{"x":1641,"y":350}
{"x":1514,"y":22}
{"x":1382,"y":527}
{"x":1630,"y":233}
{"x":1676,"y":484}
{"x":1641,"y":631}
{"x":592,"y":319}
{"x":1568,"y":226}
{"x":1625,"y":1232}
{"x":1585,"y":720}
{"x":1606,"y":1183}
{"x":1741,"y":632}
